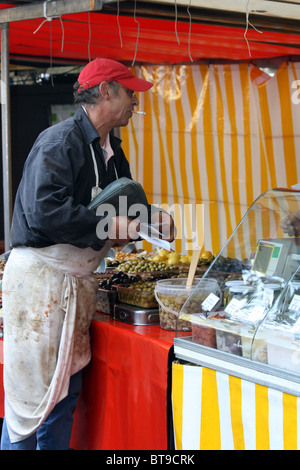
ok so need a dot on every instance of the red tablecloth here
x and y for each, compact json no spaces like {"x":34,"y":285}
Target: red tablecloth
{"x":124,"y":397}
{"x":123,"y":403}
{"x":1,"y":381}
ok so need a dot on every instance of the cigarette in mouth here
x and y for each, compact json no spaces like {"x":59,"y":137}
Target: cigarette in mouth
{"x":139,"y":112}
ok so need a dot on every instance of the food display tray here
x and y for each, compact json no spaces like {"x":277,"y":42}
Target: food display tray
{"x":138,"y":298}
{"x":105,"y":301}
{"x":135,"y":315}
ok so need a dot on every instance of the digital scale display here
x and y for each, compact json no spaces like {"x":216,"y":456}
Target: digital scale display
{"x":263,"y":257}
{"x":271,"y":256}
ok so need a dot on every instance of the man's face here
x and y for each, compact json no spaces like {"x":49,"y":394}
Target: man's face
{"x":123,"y":102}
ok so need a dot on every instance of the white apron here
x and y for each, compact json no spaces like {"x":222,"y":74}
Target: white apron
{"x":48,"y":304}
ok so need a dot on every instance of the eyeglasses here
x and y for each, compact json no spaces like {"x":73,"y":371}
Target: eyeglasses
{"x":130,"y":93}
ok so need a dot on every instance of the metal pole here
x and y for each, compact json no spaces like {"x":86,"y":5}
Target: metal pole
{"x":50,"y":9}
{"x":6,"y":136}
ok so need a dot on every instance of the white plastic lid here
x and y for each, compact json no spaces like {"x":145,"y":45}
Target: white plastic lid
{"x":272,"y":286}
{"x":238,"y":282}
{"x":239,"y":289}
{"x":295,"y":284}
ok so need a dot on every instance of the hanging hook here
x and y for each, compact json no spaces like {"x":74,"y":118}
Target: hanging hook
{"x":138,"y":33}
{"x":176,"y":24}
{"x":89,"y":41}
{"x":247,"y":25}
{"x":190,"y":29}
{"x":119,"y":27}
{"x":50,"y":18}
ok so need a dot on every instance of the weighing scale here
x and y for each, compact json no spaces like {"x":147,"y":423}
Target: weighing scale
{"x":277,"y":257}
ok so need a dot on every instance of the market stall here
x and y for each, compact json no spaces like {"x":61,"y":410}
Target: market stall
{"x":123,"y":404}
{"x":218,"y":411}
{"x":222,"y":119}
{"x":244,"y":321}
{"x":124,"y":395}
{"x":218,"y":132}
{"x":126,"y":387}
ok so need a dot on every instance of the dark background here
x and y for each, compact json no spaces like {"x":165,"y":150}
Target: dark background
{"x":30,"y":114}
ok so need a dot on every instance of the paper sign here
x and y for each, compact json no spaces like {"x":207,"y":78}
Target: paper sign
{"x":295,"y":303}
{"x":210,"y":301}
{"x":268,"y":297}
{"x":233,"y":305}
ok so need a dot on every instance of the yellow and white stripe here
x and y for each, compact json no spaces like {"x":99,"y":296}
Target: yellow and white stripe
{"x":215,"y":411}
{"x":216,"y":136}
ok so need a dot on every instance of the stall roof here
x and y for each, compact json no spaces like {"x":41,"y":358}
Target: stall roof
{"x":157,"y":32}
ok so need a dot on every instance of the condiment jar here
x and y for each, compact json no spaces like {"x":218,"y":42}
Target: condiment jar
{"x":270,"y":294}
{"x":228,"y":285}
{"x":239,"y":292}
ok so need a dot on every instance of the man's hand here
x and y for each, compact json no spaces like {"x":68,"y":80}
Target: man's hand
{"x":165,"y":225}
{"x":123,"y":229}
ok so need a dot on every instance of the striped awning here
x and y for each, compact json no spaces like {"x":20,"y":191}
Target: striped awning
{"x":214,"y":138}
{"x":216,"y":411}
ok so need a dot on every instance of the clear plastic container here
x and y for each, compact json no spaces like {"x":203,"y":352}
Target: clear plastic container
{"x":173,"y":294}
{"x":294,"y":299}
{"x":229,"y":285}
{"x":261,"y":324}
{"x":229,"y":341}
{"x":140,"y":294}
{"x":271,"y":291}
{"x":284,"y":352}
{"x":203,"y":332}
{"x":254,"y":345}
{"x":241,"y":293}
{"x":286,"y":314}
{"x":204,"y":335}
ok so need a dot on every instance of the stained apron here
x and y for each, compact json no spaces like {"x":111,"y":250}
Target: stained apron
{"x":48,"y":303}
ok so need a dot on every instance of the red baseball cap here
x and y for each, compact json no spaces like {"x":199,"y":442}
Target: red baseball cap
{"x":99,"y":70}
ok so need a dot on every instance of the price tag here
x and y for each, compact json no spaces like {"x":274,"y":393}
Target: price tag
{"x":233,"y":305}
{"x":268,"y":297}
{"x":256,"y":313}
{"x":296,"y":327}
{"x":210,"y":301}
{"x":295,"y":303}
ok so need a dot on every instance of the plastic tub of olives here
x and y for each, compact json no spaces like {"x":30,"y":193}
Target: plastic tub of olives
{"x":140,"y":293}
{"x":144,"y":267}
{"x":171,"y":294}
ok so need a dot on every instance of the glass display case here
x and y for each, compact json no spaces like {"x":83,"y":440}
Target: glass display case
{"x":250,"y":324}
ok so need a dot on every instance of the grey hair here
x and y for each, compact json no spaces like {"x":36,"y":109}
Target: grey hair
{"x":91,"y":95}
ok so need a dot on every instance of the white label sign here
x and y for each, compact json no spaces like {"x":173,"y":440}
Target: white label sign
{"x":295,"y":303}
{"x":210,"y":301}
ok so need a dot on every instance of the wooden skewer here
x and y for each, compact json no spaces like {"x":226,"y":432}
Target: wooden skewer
{"x":193,"y":267}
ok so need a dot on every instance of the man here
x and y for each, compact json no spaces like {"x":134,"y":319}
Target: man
{"x":48,"y":288}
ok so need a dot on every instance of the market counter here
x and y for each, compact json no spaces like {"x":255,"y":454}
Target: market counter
{"x":1,"y":381}
{"x":213,"y":410}
{"x":123,"y":403}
